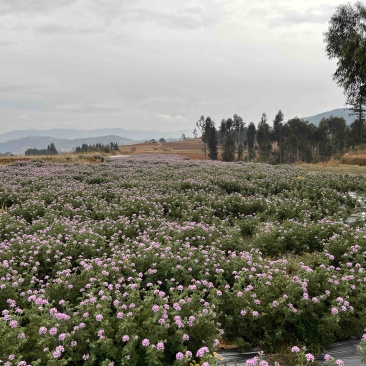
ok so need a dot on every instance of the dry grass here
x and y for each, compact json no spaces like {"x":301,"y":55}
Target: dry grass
{"x":189,"y":148}
{"x":352,"y":162}
{"x":355,"y":157}
{"x":335,"y":167}
{"x":89,"y":158}
{"x":4,"y":160}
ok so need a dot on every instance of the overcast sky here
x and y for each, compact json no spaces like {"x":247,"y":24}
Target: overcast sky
{"x":161,"y":64}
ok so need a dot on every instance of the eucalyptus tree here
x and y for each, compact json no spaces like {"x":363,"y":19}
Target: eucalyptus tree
{"x":357,"y":132}
{"x":251,"y":136}
{"x":239,"y":126}
{"x":346,"y":41}
{"x":211,"y":136}
{"x":335,"y":134}
{"x":277,"y":135}
{"x":264,"y":138}
{"x":299,"y":140}
{"x":227,"y":136}
{"x":201,"y":126}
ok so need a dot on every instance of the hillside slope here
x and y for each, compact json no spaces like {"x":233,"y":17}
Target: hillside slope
{"x":19,"y":146}
{"x":340,"y":112}
{"x":70,"y":134}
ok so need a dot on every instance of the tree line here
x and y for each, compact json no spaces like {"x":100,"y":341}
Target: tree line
{"x":284,"y":142}
{"x":98,"y":147}
{"x":51,"y":150}
{"x":107,"y":148}
{"x":299,"y":140}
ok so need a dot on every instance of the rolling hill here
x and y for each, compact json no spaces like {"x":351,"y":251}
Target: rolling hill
{"x":70,"y":134}
{"x":19,"y":146}
{"x":340,"y":112}
{"x":65,"y":139}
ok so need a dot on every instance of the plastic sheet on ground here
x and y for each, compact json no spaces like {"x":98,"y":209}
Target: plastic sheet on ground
{"x":344,"y":350}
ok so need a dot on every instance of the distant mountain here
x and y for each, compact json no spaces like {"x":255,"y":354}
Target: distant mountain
{"x":19,"y":146}
{"x":340,"y":112}
{"x":70,"y":134}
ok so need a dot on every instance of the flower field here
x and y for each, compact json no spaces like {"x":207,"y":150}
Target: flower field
{"x":154,"y":260}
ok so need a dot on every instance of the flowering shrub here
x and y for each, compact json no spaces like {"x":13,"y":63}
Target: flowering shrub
{"x":362,"y":347}
{"x":150,"y":261}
